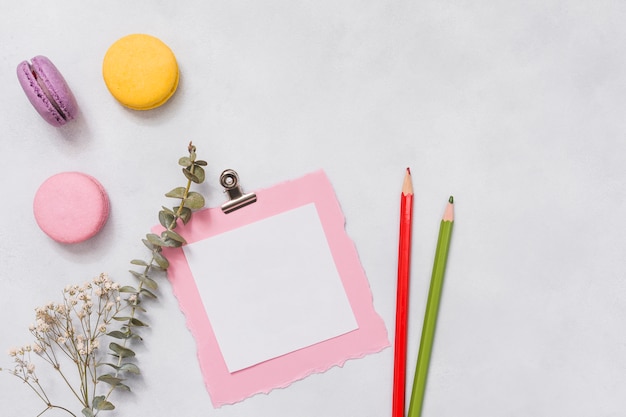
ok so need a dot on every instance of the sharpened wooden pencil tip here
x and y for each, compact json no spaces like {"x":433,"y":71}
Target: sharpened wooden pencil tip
{"x":407,"y":186}
{"x":448,"y":215}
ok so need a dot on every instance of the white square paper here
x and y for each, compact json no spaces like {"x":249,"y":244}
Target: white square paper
{"x":280,"y":269}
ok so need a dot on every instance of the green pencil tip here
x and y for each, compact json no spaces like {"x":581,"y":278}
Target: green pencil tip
{"x":451,"y":200}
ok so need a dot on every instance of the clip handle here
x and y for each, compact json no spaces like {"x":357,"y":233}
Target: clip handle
{"x":229,"y":179}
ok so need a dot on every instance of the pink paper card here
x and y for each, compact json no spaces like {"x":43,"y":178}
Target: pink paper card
{"x":273,"y":291}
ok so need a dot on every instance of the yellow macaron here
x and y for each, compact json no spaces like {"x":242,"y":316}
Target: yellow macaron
{"x":140,"y":71}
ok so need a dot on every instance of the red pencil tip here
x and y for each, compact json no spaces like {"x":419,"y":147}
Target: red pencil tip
{"x":408,"y":170}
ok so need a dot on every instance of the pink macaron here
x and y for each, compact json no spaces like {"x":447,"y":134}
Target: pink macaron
{"x":47,"y":90}
{"x":71,"y":207}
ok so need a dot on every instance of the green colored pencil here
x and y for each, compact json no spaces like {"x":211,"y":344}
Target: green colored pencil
{"x":432,"y":309}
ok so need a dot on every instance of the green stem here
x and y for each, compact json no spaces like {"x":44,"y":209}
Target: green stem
{"x":40,"y":393}
{"x":182,"y":203}
{"x":51,"y":406}
{"x":57,"y":367}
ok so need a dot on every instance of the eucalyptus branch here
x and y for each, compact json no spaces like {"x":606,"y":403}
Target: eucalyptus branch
{"x":169,"y":219}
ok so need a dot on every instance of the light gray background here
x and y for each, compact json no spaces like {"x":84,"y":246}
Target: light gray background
{"x":514,"y":107}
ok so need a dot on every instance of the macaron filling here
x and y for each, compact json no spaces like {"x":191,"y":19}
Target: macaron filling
{"x":46,"y":91}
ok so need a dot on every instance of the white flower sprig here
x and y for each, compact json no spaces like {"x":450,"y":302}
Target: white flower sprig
{"x":67,"y":335}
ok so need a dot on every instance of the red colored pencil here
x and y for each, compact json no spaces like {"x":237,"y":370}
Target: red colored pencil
{"x":402,"y":297}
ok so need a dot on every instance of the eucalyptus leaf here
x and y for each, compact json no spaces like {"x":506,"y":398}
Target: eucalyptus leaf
{"x":106,"y":406}
{"x":178,"y":192}
{"x":87,"y":412}
{"x":128,"y":288}
{"x":112,"y":365}
{"x":154,"y":239}
{"x":130,"y":367}
{"x":100,"y":403}
{"x":190,"y":176}
{"x":185,"y":161}
{"x":148,"y":293}
{"x":149,"y":245}
{"x":168,"y":210}
{"x":109,"y":379}
{"x":149,"y":282}
{"x":185,"y":214}
{"x":194,"y":200}
{"x":138,"y":262}
{"x":118,"y":334}
{"x":171,"y":243}
{"x":167,"y":220}
{"x":130,"y":333}
{"x":122,"y":352}
{"x":174,"y":236}
{"x":138,"y":307}
{"x":137,"y":274}
{"x":161,"y":260}
{"x":156,"y":267}
{"x":198,"y":171}
{"x":200,"y":162}
{"x":137,"y":323}
{"x":168,"y":242}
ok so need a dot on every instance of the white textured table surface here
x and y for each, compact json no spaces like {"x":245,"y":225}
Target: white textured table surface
{"x":516,"y":108}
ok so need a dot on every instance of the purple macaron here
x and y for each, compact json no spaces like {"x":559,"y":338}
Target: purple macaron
{"x":47,"y":90}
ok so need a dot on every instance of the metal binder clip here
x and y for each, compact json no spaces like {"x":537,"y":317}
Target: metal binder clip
{"x":230,"y":181}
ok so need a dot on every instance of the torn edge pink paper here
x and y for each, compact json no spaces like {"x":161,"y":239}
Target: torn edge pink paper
{"x":370,"y":337}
